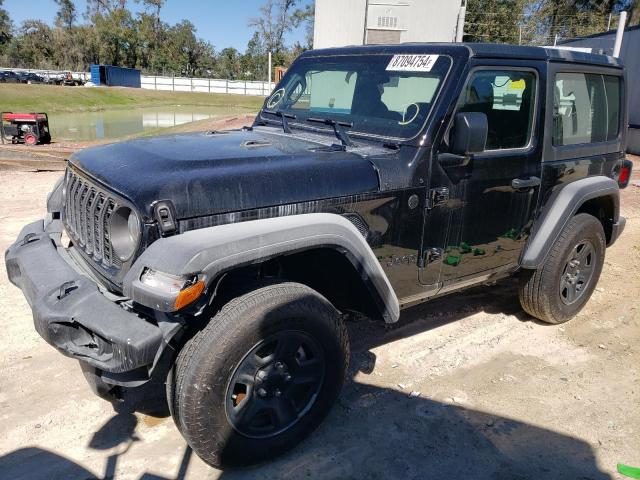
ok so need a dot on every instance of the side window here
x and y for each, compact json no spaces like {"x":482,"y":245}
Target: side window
{"x":586,"y":108}
{"x":507,"y":98}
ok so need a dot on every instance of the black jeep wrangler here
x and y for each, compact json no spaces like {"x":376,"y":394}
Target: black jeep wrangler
{"x":374,"y":178}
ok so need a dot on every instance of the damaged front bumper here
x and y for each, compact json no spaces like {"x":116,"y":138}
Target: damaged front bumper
{"x":71,"y":313}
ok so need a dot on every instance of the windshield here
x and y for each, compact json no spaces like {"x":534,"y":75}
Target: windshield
{"x":386,"y":95}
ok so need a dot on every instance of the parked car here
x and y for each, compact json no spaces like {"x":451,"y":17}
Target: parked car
{"x":30,"y":77}
{"x":7,"y":76}
{"x":374,"y":178}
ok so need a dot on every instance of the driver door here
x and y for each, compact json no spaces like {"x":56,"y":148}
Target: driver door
{"x":481,"y":212}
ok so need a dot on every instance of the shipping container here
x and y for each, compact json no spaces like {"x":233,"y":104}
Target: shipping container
{"x":111,"y":76}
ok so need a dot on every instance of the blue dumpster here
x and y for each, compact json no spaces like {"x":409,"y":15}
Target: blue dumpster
{"x":112,"y":76}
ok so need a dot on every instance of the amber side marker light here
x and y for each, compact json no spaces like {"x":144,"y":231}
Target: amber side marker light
{"x":189,"y":295}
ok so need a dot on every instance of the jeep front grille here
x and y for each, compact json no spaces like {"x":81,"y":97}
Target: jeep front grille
{"x":87,"y":213}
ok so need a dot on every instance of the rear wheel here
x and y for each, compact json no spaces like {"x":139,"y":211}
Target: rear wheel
{"x":562,"y":286}
{"x":260,"y":376}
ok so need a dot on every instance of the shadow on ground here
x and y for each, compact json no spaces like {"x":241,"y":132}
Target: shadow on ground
{"x":375,"y":432}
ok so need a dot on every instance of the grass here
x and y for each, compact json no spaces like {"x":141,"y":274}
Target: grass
{"x":59,"y":99}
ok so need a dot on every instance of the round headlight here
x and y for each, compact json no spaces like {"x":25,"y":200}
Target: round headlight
{"x":125,"y":232}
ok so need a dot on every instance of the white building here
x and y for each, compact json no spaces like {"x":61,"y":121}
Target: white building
{"x":357,"y":22}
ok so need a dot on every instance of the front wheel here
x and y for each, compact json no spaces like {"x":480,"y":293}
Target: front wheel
{"x":260,"y":376}
{"x":559,"y":289}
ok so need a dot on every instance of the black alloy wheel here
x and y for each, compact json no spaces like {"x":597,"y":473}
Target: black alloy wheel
{"x":577,"y":273}
{"x":275,"y":384}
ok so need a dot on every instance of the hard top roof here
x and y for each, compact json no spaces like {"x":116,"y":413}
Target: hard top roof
{"x":478,"y":50}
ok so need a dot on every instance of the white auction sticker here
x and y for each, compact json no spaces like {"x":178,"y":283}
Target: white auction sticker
{"x":412,"y":63}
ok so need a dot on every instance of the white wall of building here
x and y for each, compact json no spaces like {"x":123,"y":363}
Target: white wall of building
{"x":342,"y":22}
{"x":338,"y":23}
{"x":432,"y":21}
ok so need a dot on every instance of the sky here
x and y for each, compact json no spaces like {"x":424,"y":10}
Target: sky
{"x":221,"y":22}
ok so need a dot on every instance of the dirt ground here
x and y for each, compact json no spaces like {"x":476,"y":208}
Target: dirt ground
{"x":501,"y":395}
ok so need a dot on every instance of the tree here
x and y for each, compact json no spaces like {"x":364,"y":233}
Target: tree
{"x":189,"y":48}
{"x":117,"y":39}
{"x":6,"y":25}
{"x":104,"y":7}
{"x":66,"y":14}
{"x":540,"y":22}
{"x":253,"y":64}
{"x":493,"y":21}
{"x":111,"y":34}
{"x":35,"y":47}
{"x":276,"y":18}
{"x":150,"y":30}
{"x":154,"y":6}
{"x":306,"y":16}
{"x":229,"y":64}
{"x":634,"y":10}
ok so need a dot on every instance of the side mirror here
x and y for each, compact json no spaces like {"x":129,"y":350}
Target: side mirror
{"x":469,"y":133}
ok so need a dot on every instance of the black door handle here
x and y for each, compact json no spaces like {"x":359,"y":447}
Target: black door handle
{"x":522,"y":183}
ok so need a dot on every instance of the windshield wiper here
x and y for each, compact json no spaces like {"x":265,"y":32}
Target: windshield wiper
{"x":338,"y":129}
{"x":283,"y":116}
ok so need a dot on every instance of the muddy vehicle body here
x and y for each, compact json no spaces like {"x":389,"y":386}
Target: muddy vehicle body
{"x":225,"y":264}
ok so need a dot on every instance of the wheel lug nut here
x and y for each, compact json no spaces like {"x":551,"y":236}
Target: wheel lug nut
{"x":262,"y":392}
{"x":287,"y":377}
{"x":262,"y":374}
{"x":277,"y":393}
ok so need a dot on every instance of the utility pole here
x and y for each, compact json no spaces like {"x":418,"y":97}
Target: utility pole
{"x":619,"y":33}
{"x":366,"y":14}
{"x":269,"y":75}
{"x":461,"y":16}
{"x":519,"y":34}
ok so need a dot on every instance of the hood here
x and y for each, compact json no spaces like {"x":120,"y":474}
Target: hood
{"x":220,"y":172}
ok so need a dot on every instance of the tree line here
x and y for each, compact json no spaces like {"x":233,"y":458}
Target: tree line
{"x":109,"y":32}
{"x":543,"y":22}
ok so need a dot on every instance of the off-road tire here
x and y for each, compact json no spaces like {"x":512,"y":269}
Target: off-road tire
{"x":197,"y":389}
{"x":539,"y":291}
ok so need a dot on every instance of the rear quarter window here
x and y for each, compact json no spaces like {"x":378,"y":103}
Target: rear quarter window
{"x":587,"y":108}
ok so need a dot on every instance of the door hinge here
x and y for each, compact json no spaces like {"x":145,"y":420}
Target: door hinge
{"x":437,"y":196}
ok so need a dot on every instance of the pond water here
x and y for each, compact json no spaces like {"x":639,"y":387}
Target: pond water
{"x":107,"y":124}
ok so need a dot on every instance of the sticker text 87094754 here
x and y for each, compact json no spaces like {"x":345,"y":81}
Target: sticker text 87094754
{"x":412,"y":63}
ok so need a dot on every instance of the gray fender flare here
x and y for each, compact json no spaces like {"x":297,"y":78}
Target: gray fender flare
{"x":214,"y":250}
{"x":560,"y":208}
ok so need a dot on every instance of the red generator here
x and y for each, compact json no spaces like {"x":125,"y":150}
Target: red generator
{"x":27,"y":128}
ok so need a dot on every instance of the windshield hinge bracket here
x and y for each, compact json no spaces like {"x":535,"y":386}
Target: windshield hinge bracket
{"x":437,"y":196}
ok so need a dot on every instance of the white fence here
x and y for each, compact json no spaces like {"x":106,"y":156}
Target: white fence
{"x":176,"y":84}
{"x":207,"y":85}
